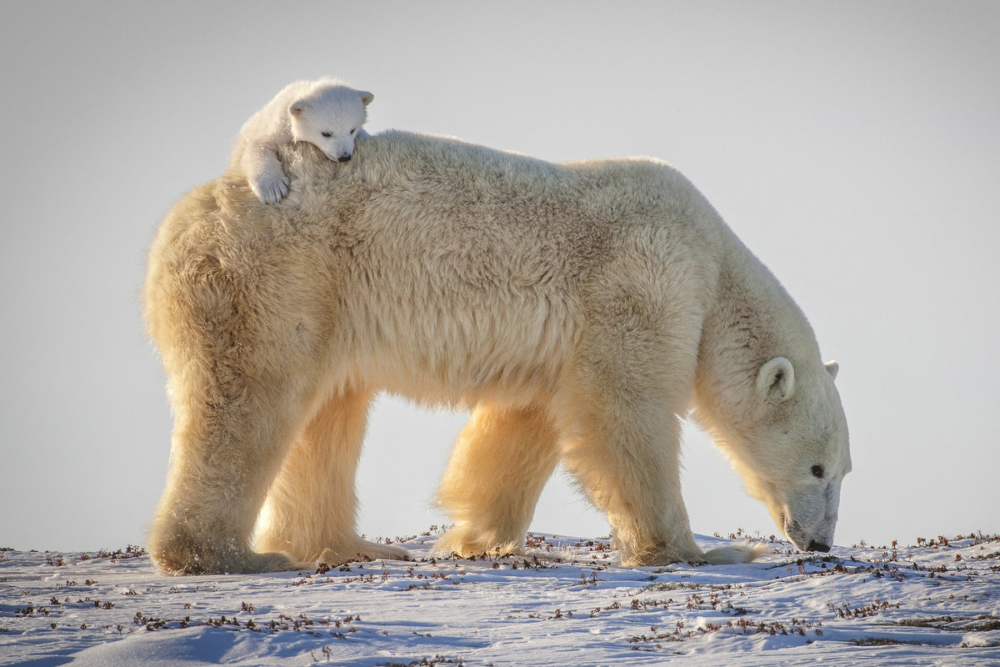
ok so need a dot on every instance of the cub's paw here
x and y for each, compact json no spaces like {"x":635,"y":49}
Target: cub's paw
{"x":270,"y":189}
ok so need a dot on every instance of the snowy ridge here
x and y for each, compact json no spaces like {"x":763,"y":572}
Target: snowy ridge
{"x":565,"y":602}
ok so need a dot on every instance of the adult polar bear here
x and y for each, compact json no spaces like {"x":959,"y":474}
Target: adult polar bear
{"x":579,"y":309}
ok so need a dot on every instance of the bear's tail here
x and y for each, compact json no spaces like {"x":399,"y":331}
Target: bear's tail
{"x":744,"y":552}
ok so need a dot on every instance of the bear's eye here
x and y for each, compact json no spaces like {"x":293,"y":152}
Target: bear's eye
{"x":354,"y":130}
{"x":327,"y":134}
{"x":817,"y":471}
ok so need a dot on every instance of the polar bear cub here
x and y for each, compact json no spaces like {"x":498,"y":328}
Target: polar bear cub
{"x":324,"y":112}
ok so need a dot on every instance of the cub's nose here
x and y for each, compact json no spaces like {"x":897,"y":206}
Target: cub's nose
{"x":817,"y":546}
{"x":344,"y":158}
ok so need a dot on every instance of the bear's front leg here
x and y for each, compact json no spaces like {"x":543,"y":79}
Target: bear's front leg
{"x":621,"y":438}
{"x":632,"y":475}
{"x":497,"y":470}
{"x":265,"y":174}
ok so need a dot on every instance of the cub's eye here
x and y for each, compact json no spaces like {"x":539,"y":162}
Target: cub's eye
{"x":817,"y":471}
{"x":327,"y":134}
{"x":354,"y":130}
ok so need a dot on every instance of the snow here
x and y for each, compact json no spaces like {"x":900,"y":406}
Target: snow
{"x":565,"y":601}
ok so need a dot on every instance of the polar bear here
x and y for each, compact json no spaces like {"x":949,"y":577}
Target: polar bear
{"x":580,"y":310}
{"x":325,"y":113}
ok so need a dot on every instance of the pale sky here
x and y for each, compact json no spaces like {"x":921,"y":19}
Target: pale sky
{"x":853,"y":146}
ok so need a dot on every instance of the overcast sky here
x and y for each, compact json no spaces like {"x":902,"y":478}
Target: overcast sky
{"x":853,"y":146}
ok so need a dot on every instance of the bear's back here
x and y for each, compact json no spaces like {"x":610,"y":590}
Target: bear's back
{"x":433,"y":257}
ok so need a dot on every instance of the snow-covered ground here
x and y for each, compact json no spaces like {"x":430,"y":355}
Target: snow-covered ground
{"x":565,"y":602}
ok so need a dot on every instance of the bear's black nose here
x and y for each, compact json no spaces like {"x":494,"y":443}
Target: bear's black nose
{"x":344,"y":158}
{"x":816,"y":546}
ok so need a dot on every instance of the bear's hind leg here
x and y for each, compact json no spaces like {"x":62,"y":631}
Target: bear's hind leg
{"x":225,"y":454}
{"x":497,"y":470}
{"x":311,"y":508}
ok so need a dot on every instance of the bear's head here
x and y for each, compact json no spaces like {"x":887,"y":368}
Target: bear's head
{"x":791,"y":447}
{"x":330,"y":118}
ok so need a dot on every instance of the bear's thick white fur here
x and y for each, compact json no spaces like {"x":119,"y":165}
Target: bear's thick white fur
{"x":580,"y":310}
{"x":325,"y":112}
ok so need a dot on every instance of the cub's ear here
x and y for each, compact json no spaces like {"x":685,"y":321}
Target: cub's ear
{"x":832,"y":367}
{"x":366,"y":97}
{"x":297,"y":108}
{"x":776,"y":379}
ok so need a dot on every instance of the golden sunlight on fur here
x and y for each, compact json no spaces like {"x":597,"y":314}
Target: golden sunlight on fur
{"x":579,"y":310}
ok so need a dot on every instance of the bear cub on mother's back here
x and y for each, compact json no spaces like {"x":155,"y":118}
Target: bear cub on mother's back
{"x":325,"y":113}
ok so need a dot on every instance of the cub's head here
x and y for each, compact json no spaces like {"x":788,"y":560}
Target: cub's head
{"x":794,"y":453}
{"x":330,"y":118}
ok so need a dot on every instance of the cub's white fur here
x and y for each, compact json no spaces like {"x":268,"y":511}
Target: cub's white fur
{"x":580,"y":310}
{"x":325,"y":113}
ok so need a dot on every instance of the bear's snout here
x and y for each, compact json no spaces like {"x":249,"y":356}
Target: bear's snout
{"x":344,"y":158}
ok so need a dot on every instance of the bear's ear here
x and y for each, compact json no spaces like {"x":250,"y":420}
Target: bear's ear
{"x":366,"y":97}
{"x":832,"y":367}
{"x":297,"y":107}
{"x":776,"y":379}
